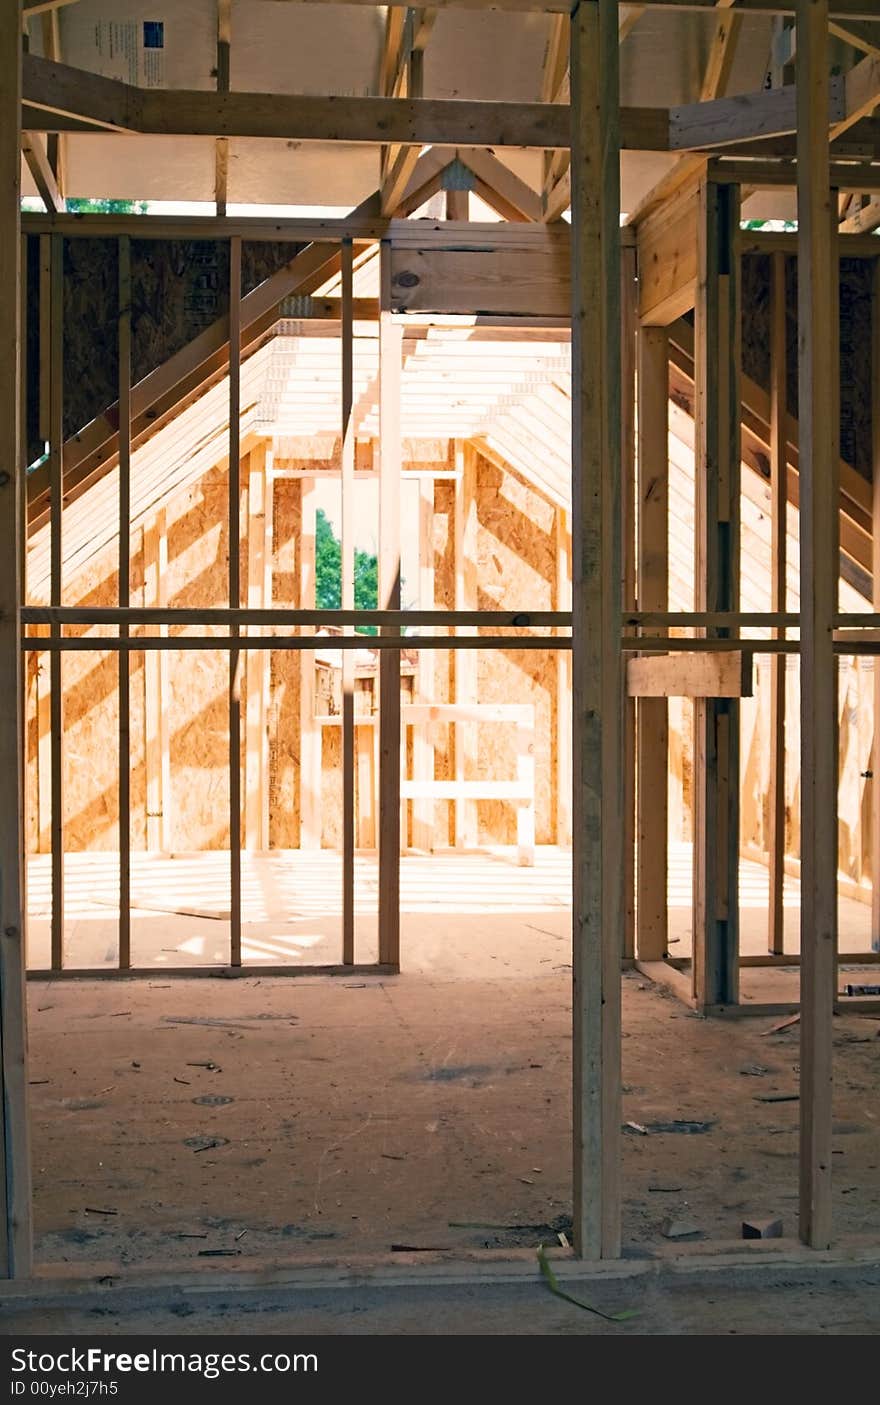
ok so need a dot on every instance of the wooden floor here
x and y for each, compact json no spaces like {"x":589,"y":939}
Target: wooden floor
{"x":292,"y":905}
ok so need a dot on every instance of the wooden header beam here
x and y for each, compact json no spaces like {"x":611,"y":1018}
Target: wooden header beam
{"x":56,"y":91}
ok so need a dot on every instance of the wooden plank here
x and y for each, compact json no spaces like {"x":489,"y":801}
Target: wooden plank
{"x":778,"y":569}
{"x":390,"y":368}
{"x":56,"y":680}
{"x":466,"y":598}
{"x":124,"y":660}
{"x":716,"y":722}
{"x":495,"y":281}
{"x":818,"y":371}
{"x":235,"y":659}
{"x":16,"y":1250}
{"x":875,"y":553}
{"x":653,"y":594}
{"x":597,"y":859}
{"x":727,"y":675}
{"x":347,"y":437}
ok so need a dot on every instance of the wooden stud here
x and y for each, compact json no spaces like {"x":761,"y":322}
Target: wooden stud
{"x":628,"y":328}
{"x":157,"y":761}
{"x":124,"y":660}
{"x":597,"y":859}
{"x":818,"y":370}
{"x":778,"y":569}
{"x":875,"y":575}
{"x":653,"y":594}
{"x":259,"y":500}
{"x":16,"y":1250}
{"x":390,"y":366}
{"x":423,"y":747}
{"x":563,"y":681}
{"x":309,"y":731}
{"x":716,"y":723}
{"x":56,"y":682}
{"x":235,"y":599}
{"x":347,"y":565}
{"x":221,"y":146}
{"x":465,"y":549}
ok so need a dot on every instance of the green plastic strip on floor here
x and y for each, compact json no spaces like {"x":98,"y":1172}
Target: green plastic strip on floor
{"x":553,"y":1284}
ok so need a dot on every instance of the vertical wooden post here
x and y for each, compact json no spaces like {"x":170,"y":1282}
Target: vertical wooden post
{"x":124,"y":658}
{"x":56,"y":672}
{"x":875,"y":567}
{"x":309,"y":729}
{"x":653,"y":589}
{"x":15,"y":1171}
{"x":716,"y":722}
{"x":347,"y":563}
{"x":221,"y":145}
{"x":563,"y":682}
{"x":235,"y":599}
{"x":390,"y":365}
{"x":628,"y":319}
{"x":818,"y":372}
{"x":259,"y":507}
{"x":423,"y":747}
{"x":778,"y":566}
{"x":465,"y":533}
{"x":156,"y":754}
{"x":598,"y":829}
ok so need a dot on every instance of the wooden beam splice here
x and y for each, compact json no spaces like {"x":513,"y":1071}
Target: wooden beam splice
{"x":680,"y":675}
{"x":16,"y":1246}
{"x":597,"y":674}
{"x":818,"y":371}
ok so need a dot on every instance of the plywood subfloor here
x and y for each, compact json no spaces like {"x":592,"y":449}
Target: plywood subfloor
{"x":185,"y":1118}
{"x":291,"y":909}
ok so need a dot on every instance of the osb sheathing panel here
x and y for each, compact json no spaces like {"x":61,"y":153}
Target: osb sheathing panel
{"x":516,"y":561}
{"x":90,"y":755}
{"x":179,"y":287}
{"x":198,"y":681}
{"x":855,"y":336}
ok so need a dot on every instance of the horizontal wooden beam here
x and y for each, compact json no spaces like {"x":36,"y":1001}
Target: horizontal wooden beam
{"x":682,"y":675}
{"x":840,"y":9}
{"x":58,"y":89}
{"x":707,"y":126}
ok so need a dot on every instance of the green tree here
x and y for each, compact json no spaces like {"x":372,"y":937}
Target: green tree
{"x":328,"y":573}
{"x":106,"y":207}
